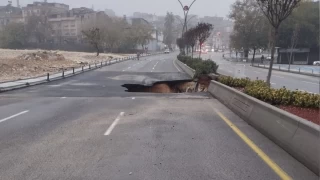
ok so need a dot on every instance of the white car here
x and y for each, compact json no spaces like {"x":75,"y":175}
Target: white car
{"x":316,"y":63}
{"x":167,"y":51}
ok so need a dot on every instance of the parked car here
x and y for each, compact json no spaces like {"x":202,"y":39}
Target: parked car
{"x":268,"y":58}
{"x":167,"y":51}
{"x":316,"y":63}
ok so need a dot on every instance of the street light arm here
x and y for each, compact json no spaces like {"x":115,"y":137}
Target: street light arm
{"x":181,"y":3}
{"x":191,"y":3}
{"x":192,"y":17}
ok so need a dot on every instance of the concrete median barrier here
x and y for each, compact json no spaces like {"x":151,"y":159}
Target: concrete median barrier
{"x":297,"y":136}
{"x":186,"y":68}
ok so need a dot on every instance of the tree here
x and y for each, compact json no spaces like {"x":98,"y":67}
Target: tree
{"x":94,"y":37}
{"x":203,"y":32}
{"x":113,"y":34}
{"x":13,"y":36}
{"x":190,"y":38}
{"x":276,"y":11}
{"x":306,"y":16}
{"x":38,"y":27}
{"x":168,"y":33}
{"x":181,"y":44}
{"x":250,"y":30}
{"x":294,"y":41}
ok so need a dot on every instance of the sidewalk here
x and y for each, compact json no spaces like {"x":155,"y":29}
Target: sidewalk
{"x":297,"y":69}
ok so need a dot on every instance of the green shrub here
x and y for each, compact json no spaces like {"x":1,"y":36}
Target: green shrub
{"x":202,"y":67}
{"x":260,"y":90}
{"x":234,"y":82}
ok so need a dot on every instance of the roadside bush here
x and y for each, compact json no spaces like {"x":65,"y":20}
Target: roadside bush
{"x":234,"y":82}
{"x":260,"y":90}
{"x":202,"y":67}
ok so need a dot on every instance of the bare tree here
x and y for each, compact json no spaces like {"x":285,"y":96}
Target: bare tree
{"x":38,"y":27}
{"x":294,"y":42}
{"x":276,"y":11}
{"x":94,"y":37}
{"x":203,"y":32}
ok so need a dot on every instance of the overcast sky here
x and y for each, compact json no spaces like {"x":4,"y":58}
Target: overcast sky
{"x":158,"y":7}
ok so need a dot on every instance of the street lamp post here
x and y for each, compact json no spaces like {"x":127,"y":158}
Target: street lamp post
{"x":185,"y":12}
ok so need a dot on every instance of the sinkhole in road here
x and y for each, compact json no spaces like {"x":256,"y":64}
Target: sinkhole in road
{"x":175,"y":86}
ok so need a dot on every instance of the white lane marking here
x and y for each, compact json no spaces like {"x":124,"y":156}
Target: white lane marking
{"x":278,"y":76}
{"x":175,"y":65}
{"x":63,"y":97}
{"x":115,"y":122}
{"x":124,"y":70}
{"x":133,"y":98}
{"x":154,"y":66}
{"x":310,"y":82}
{"x":257,"y":72}
{"x":129,"y":67}
{"x":13,"y":116}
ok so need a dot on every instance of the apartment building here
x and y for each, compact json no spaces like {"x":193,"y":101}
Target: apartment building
{"x":68,"y":27}
{"x":10,"y":14}
{"x":50,"y":10}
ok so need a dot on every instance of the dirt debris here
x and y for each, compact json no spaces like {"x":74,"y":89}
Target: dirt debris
{"x":42,"y":55}
{"x":21,"y":64}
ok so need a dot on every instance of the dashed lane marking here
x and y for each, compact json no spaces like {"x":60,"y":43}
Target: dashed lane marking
{"x":113,"y":125}
{"x":13,"y":116}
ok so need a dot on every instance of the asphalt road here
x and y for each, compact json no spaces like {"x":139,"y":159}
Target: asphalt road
{"x":278,"y":79}
{"x":88,"y":127}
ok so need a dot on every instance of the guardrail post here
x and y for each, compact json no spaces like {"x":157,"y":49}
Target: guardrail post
{"x":101,"y":64}
{"x":63,"y":73}
{"x":82,"y":68}
{"x":72,"y":70}
{"x":95,"y":65}
{"x":89,"y":66}
{"x":48,"y":78}
{"x":299,"y":70}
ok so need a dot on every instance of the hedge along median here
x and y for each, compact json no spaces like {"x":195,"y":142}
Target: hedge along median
{"x":201,"y":67}
{"x":198,"y":69}
{"x":302,"y":104}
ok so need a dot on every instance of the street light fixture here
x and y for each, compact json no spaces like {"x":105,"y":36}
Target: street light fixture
{"x":186,"y":10}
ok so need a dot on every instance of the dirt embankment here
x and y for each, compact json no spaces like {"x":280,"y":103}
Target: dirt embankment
{"x":20,"y":64}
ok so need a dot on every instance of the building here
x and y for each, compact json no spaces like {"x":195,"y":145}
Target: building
{"x":156,"y":43}
{"x":110,"y":13}
{"x":68,"y":28}
{"x":300,"y":56}
{"x":44,"y":9}
{"x":66,"y":24}
{"x":10,"y":14}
